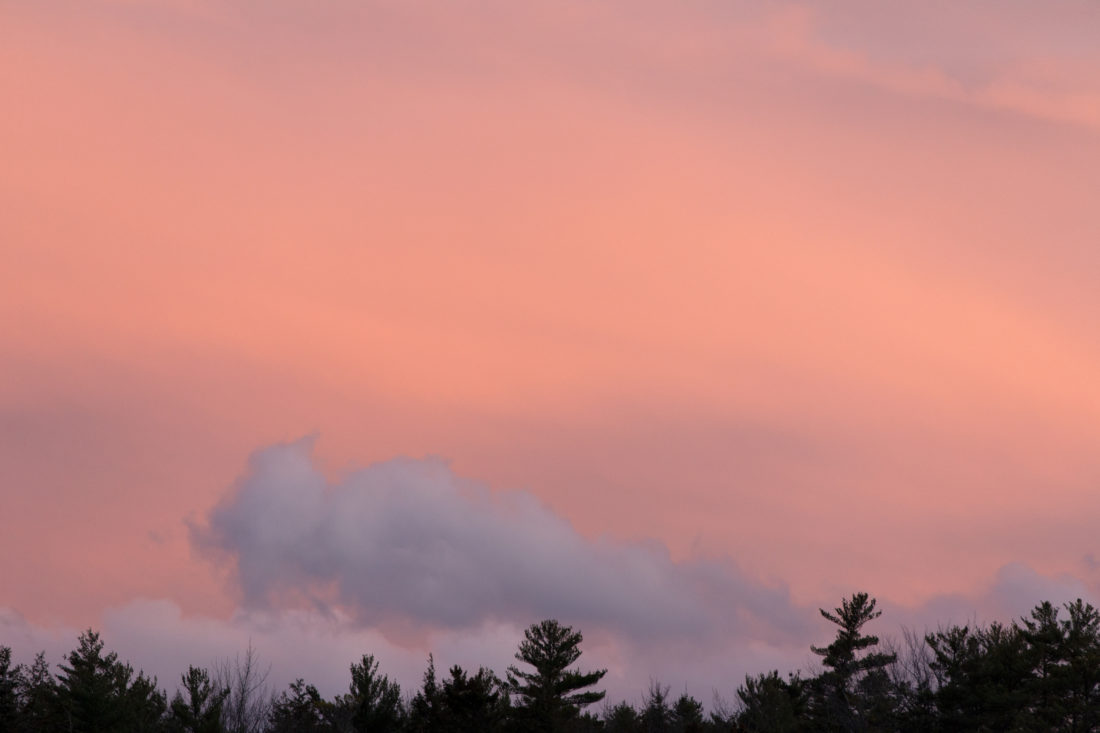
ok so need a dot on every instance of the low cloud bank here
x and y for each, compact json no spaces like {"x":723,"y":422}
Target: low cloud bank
{"x":156,"y":636}
{"x":408,"y":542}
{"x":1013,"y":591}
{"x":328,"y":571}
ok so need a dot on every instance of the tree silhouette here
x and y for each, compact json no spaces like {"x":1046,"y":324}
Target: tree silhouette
{"x":982,"y":675}
{"x":99,"y":694}
{"x":40,"y":706}
{"x":373,"y":703}
{"x":303,"y":710}
{"x":143,"y":704}
{"x":621,"y":718}
{"x":853,"y":668}
{"x":201,"y":710}
{"x":11,"y":679}
{"x":552,"y":695}
{"x":1081,"y":673}
{"x":425,"y":709}
{"x":247,"y":707}
{"x":1045,"y":643}
{"x":471,"y":703}
{"x":656,"y":713}
{"x":1038,"y":673}
{"x":687,"y":715}
{"x":770,"y":703}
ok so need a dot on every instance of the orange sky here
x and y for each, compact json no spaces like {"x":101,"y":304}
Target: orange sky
{"x":810,"y":287}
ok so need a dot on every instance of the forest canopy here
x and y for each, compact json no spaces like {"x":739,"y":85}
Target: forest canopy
{"x":1038,"y":673}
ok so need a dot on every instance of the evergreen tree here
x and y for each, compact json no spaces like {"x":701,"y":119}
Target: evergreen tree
{"x":11,"y":680}
{"x":621,"y":718}
{"x":840,"y":700}
{"x":551,"y":696}
{"x":373,"y":702}
{"x":99,"y":694}
{"x":656,"y":713}
{"x":40,"y":705}
{"x":771,"y":704}
{"x":1081,"y":674}
{"x":982,"y":676}
{"x":88,"y":687}
{"x":303,"y":710}
{"x":425,"y":709}
{"x":1040,"y":673}
{"x":143,"y":704}
{"x":586,"y":722}
{"x":201,"y":710}
{"x":687,"y":715}
{"x":471,"y":704}
{"x":1044,"y":641}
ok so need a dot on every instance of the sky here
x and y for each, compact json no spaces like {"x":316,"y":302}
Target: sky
{"x":394,"y":327}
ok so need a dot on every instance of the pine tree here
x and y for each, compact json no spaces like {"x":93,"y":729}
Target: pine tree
{"x":621,"y":718}
{"x":373,"y":702}
{"x":11,"y":680}
{"x":201,"y":710}
{"x":90,"y":687}
{"x":143,"y":704}
{"x":687,"y":715}
{"x":1081,"y":674}
{"x":982,"y":677}
{"x":656,"y":713}
{"x":425,"y":707}
{"x":1045,"y":644}
{"x":552,"y":695}
{"x":39,"y":699}
{"x":301,"y":711}
{"x":99,"y":694}
{"x":852,"y":666}
{"x":770,"y":703}
{"x":471,"y":703}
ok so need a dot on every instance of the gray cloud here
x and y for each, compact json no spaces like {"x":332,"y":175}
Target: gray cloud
{"x":408,"y":541}
{"x":1010,"y":594}
{"x":158,"y":637}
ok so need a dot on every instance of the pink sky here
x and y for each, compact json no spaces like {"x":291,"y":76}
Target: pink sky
{"x":806,"y":293}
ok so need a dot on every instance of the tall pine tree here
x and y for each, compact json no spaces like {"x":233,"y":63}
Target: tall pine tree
{"x":853,"y":668}
{"x":550,"y":697}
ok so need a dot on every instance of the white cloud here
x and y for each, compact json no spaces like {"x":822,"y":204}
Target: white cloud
{"x":407,"y":542}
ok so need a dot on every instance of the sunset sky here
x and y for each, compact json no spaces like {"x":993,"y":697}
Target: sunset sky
{"x":393,"y":327}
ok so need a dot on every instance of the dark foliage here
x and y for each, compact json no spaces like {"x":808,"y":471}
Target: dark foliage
{"x":1039,"y":673}
{"x":201,"y":710}
{"x":11,"y":679}
{"x":301,"y":709}
{"x":96,"y":693}
{"x":550,"y":696}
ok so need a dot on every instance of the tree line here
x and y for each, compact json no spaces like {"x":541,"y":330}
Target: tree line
{"x":1039,"y":673}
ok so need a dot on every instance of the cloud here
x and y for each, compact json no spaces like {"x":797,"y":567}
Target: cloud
{"x":159,"y":638}
{"x":1010,"y":594}
{"x":408,"y":542}
{"x":1033,"y":89}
